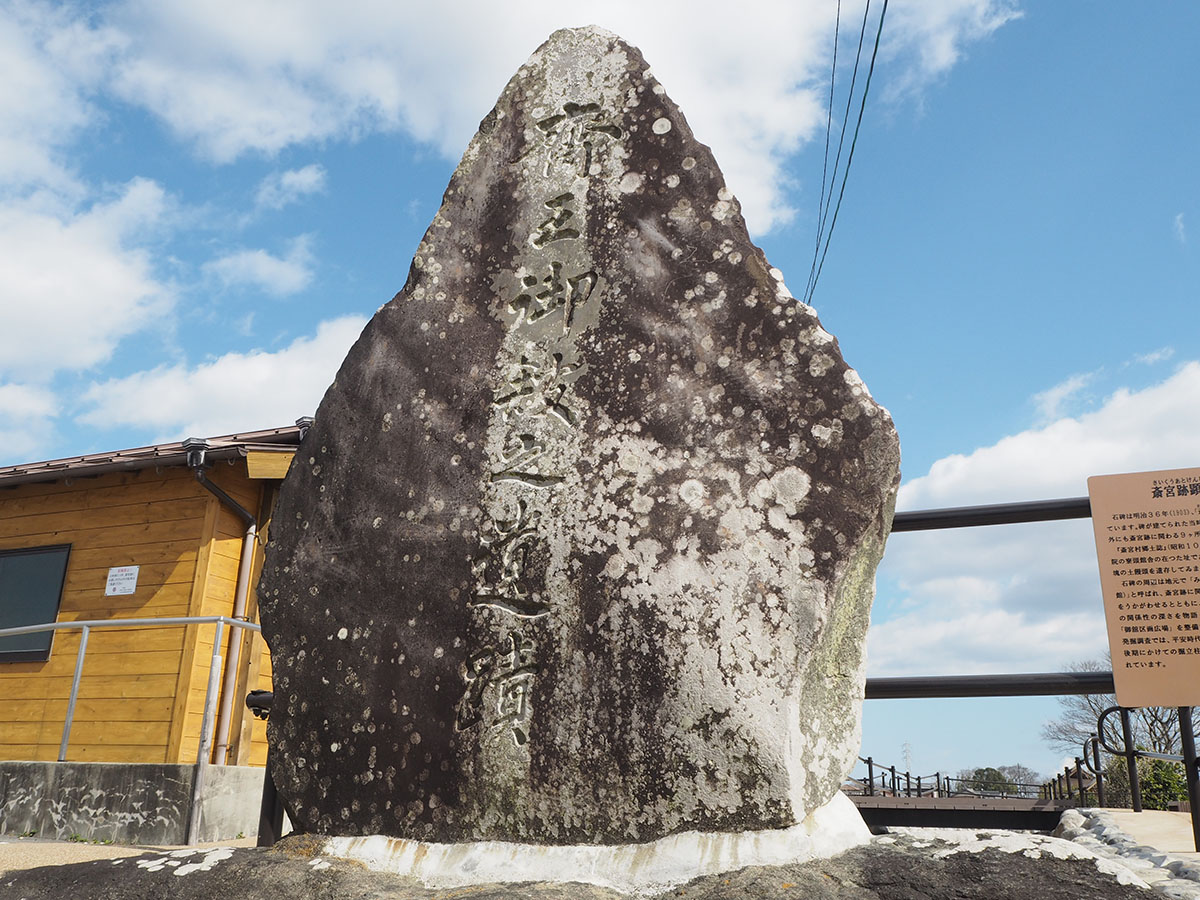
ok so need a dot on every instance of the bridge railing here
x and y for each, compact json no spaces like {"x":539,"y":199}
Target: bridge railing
{"x":1038,"y":684}
{"x":884,"y":780}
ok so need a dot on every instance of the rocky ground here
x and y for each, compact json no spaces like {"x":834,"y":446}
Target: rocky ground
{"x":914,"y":865}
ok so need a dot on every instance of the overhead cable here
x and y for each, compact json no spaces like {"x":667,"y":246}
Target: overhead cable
{"x":850,"y":158}
{"x":837,"y":23}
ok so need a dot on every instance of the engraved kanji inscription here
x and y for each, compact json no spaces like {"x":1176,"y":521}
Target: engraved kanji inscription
{"x":539,"y":390}
{"x":575,"y":135}
{"x":558,"y":227}
{"x":539,"y":297}
{"x":492,"y":667}
{"x":500,"y":569}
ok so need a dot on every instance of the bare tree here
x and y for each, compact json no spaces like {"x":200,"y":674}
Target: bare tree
{"x":1154,"y":728}
{"x":1026,"y":780}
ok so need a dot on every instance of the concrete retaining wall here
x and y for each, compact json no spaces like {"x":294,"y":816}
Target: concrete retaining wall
{"x":126,"y":803}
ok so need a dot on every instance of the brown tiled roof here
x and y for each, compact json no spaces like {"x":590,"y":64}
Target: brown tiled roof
{"x":224,"y":447}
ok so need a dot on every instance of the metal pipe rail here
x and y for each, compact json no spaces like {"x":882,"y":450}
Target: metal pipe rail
{"x":85,"y":626}
{"x":1035,"y":684}
{"x":203,"y":752}
{"x":993,"y":514}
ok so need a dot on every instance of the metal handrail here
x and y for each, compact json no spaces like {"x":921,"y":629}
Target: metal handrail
{"x":128,"y":623}
{"x":84,"y":626}
{"x":992,"y":514}
{"x":1032,"y":684}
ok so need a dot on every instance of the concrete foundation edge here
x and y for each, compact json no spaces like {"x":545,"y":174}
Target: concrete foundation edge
{"x":139,"y":803}
{"x":630,"y":868}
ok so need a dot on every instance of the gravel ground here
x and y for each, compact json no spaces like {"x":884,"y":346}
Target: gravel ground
{"x":17,"y":853}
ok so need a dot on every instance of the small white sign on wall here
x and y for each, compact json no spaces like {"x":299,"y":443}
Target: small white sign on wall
{"x":121,"y":580}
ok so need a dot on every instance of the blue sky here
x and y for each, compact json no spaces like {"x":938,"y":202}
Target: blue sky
{"x":202,"y":203}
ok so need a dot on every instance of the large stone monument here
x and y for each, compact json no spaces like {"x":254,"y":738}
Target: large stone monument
{"x":580,"y":548}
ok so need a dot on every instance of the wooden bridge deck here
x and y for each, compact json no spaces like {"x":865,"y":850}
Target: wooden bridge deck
{"x":880,"y":811}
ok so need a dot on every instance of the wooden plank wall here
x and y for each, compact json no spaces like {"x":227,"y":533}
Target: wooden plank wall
{"x":214,"y":595}
{"x":142,"y":694}
{"x":152,"y":519}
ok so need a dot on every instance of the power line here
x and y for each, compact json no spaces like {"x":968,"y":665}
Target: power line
{"x":850,"y":159}
{"x":837,"y":24}
{"x":823,"y":216}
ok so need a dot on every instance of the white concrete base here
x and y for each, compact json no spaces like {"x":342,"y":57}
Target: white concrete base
{"x":631,"y":868}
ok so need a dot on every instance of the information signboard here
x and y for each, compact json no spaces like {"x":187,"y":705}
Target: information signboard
{"x":1147,"y":527}
{"x":121,"y":580}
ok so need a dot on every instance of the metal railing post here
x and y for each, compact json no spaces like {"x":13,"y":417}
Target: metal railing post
{"x":893,"y":771}
{"x":1188,"y":737}
{"x":1135,"y":786}
{"x":206,"y":736}
{"x":1079,"y":778}
{"x":870,"y":777}
{"x":907,"y":785}
{"x":66,"y":735}
{"x":1095,"y":739}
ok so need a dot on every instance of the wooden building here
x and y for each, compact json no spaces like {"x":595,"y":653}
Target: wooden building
{"x":191,"y":517}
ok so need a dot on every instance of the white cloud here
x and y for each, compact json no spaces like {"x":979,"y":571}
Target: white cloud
{"x":965,"y":641}
{"x":75,"y":284}
{"x":234,"y":76}
{"x":1180,"y":230}
{"x":26,"y":401}
{"x":271,"y":274}
{"x":1021,"y":598}
{"x":279,"y":189}
{"x":1155,"y":356}
{"x":937,"y":31}
{"x":1050,"y":402}
{"x":235,"y":392}
{"x":47,"y":61}
{"x":1132,"y":431}
{"x":26,"y":419}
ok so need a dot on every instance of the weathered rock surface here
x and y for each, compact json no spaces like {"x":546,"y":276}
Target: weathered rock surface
{"x":995,"y":866}
{"x":580,"y":548}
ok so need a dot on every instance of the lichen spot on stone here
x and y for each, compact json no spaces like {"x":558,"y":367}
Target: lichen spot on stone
{"x":630,"y":182}
{"x":693,"y":492}
{"x":819,"y":364}
{"x":661,"y":126}
{"x":342,"y":634}
{"x":377,"y":522}
{"x":387,"y":421}
{"x":689,"y":163}
{"x":790,"y":486}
